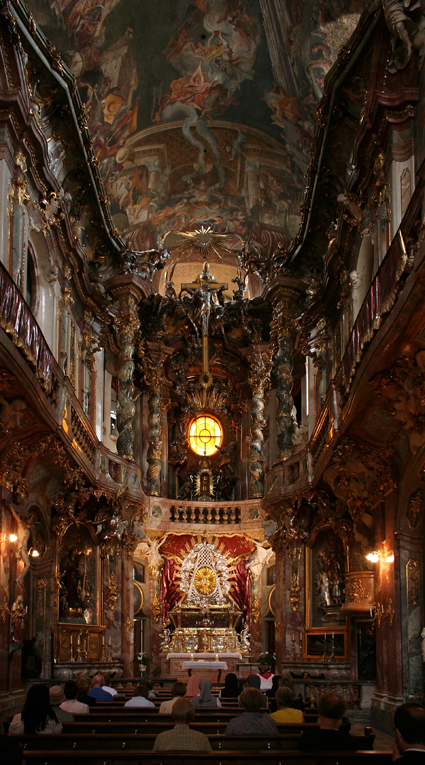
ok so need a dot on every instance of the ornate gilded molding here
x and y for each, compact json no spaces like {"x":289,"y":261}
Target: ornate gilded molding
{"x":412,"y":580}
{"x":112,"y":591}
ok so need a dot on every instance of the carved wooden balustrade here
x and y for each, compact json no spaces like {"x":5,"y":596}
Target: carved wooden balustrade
{"x":203,"y":513}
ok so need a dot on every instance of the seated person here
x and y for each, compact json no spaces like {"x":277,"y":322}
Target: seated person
{"x":409,"y":737}
{"x":253,"y":681}
{"x":10,"y":751}
{"x":266,"y":676}
{"x":182,"y":737}
{"x":56,"y":698}
{"x":271,"y":693}
{"x":178,"y":691}
{"x":251,"y":721}
{"x":96,"y":691}
{"x":84,"y":684}
{"x":37,"y":715}
{"x":327,"y":737}
{"x":140,"y":698}
{"x":285,"y":713}
{"x":71,"y":703}
{"x":231,"y":687}
{"x":193,"y":688}
{"x":107,"y":685}
{"x":205,"y":699}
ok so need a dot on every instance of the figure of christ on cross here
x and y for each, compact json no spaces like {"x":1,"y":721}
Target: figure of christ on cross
{"x":204,"y":289}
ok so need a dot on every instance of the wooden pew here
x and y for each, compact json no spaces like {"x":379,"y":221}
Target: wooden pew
{"x":241,"y":757}
{"x":162,"y":723}
{"x":145,"y":742}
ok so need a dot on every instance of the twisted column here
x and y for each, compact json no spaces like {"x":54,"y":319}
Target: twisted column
{"x":282,"y":332}
{"x":259,"y":380}
{"x":153,"y":375}
{"x":126,"y":328}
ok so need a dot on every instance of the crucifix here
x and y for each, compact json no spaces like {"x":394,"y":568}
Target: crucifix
{"x":205,"y":288}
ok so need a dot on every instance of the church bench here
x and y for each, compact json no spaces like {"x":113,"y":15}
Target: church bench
{"x":132,"y":714}
{"x":145,"y":742}
{"x":157,"y":726}
{"x":241,"y":757}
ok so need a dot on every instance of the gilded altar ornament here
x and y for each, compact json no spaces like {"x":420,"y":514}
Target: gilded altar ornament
{"x":128,"y":626}
{"x":294,"y":593}
{"x":205,"y":580}
{"x":205,"y":567}
{"x":112,"y":591}
{"x":255,"y":609}
{"x":156,"y":608}
{"x":390,"y":612}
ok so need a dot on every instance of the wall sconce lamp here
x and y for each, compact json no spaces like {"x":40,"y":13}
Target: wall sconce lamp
{"x":34,"y":553}
{"x":383,"y":555}
{"x":13,"y":538}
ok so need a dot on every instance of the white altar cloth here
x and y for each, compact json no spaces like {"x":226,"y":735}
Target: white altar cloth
{"x":205,"y":655}
{"x":204,"y":665}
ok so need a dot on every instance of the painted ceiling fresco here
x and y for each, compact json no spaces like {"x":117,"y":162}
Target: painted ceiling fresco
{"x":201,"y":111}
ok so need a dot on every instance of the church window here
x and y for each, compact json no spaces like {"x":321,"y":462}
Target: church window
{"x":205,"y":435}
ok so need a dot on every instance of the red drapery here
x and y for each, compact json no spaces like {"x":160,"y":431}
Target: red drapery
{"x":170,"y":593}
{"x":240,"y":590}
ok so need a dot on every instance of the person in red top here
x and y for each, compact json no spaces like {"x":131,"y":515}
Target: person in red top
{"x":266,"y":676}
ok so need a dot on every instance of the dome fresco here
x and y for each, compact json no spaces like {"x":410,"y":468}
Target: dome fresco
{"x":193,"y":117}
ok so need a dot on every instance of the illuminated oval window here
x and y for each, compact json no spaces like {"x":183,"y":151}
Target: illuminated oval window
{"x":205,"y":435}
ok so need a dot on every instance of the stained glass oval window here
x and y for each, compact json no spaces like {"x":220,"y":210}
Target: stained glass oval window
{"x":205,"y":435}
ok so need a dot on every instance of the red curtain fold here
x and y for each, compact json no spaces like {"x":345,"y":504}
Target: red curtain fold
{"x":240,"y":590}
{"x":170,"y":592}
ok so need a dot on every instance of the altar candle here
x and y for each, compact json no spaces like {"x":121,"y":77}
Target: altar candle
{"x":191,"y":656}
{"x":216,"y":657}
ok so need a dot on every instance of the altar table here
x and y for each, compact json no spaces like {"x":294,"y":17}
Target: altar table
{"x":205,"y":665}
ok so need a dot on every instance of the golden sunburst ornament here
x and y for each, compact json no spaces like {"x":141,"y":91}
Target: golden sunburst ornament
{"x":205,"y":580}
{"x":203,"y":241}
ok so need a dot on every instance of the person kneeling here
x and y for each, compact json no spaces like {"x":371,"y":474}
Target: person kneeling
{"x":182,"y":737}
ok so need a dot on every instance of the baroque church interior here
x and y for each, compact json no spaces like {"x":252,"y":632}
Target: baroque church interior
{"x":212,"y":341}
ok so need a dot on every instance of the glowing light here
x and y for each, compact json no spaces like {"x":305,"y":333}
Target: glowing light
{"x":35,"y":554}
{"x":390,"y":557}
{"x":13,"y":538}
{"x":205,"y":435}
{"x":373,"y":556}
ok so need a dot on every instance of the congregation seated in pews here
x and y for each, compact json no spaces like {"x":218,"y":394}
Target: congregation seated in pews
{"x":189,"y":724}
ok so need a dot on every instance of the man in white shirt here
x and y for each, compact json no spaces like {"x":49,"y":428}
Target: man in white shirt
{"x":140,"y":698}
{"x":178,"y":691}
{"x":107,"y":687}
{"x":71,"y":704}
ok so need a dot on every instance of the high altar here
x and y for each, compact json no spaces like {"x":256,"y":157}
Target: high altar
{"x":203,"y":624}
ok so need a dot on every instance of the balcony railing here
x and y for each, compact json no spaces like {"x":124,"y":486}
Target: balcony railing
{"x":17,"y":320}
